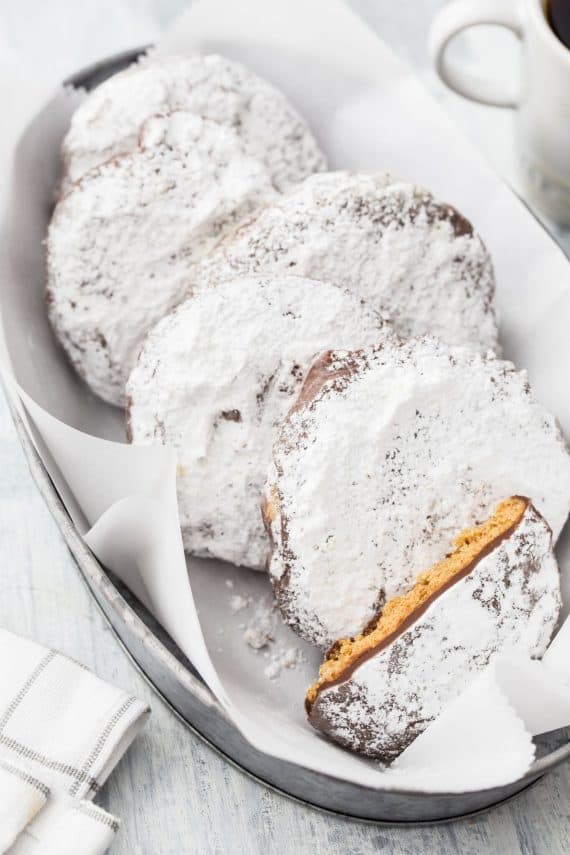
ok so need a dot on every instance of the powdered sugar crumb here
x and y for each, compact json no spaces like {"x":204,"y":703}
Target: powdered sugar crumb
{"x":288,"y":658}
{"x":239,"y":603}
{"x":257,"y":637}
{"x":259,"y":632}
{"x":260,"y":629}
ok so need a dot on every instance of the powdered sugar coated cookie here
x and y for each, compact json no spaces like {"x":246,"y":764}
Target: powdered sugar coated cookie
{"x":389,"y":453}
{"x":215,"y":379}
{"x":109,"y":121}
{"x":123,"y":240}
{"x":390,"y":243}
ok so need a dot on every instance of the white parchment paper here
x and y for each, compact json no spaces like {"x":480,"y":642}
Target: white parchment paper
{"x":368,"y":113}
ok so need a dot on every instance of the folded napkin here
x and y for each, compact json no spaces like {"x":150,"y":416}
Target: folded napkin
{"x":62,"y":732}
{"x":21,"y":798}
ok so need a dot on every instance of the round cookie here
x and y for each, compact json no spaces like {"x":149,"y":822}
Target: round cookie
{"x":215,"y":378}
{"x":499,"y":589}
{"x":415,"y":441}
{"x":216,"y":88}
{"x":122,"y":241}
{"x":390,"y":243}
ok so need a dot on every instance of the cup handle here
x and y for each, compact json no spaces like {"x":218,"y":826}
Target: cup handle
{"x":461,"y":15}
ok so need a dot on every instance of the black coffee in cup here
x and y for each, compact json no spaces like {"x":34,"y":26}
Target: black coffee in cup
{"x":559,"y":19}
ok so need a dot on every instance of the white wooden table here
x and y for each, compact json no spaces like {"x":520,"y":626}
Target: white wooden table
{"x":174,"y":795}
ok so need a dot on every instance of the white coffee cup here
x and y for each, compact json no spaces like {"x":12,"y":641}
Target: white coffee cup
{"x":541,"y":98}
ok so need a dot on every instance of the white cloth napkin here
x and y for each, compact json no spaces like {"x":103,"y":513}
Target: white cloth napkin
{"x":21,"y":798}
{"x":62,"y":732}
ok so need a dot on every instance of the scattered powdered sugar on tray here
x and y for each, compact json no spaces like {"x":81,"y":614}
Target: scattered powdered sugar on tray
{"x":260,"y":629}
{"x":238,"y":603}
{"x":259,"y":633}
{"x":288,"y":658}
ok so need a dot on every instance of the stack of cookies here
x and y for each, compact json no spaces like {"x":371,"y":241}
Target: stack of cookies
{"x":321,"y":348}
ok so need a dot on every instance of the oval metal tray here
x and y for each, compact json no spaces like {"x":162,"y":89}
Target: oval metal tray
{"x":171,"y":675}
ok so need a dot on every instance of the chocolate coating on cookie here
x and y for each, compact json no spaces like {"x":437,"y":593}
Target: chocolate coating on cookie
{"x":123,"y":240}
{"x":380,"y":700}
{"x":390,"y":243}
{"x":216,"y":378}
{"x":222,"y":90}
{"x":389,"y":452}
